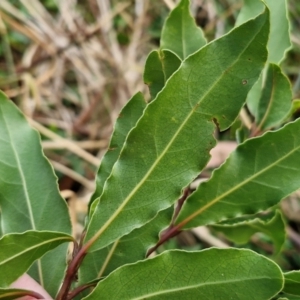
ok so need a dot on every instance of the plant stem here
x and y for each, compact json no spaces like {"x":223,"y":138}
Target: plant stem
{"x":169,"y":233}
{"x":172,"y":230}
{"x":71,"y":273}
{"x":80,"y":289}
{"x":80,"y":253}
{"x":180,"y":202}
{"x":256,"y":131}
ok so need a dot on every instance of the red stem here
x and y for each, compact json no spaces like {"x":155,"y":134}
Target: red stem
{"x":180,"y":203}
{"x":71,"y":273}
{"x":172,"y":230}
{"x":79,"y":254}
{"x":80,"y":289}
{"x":169,"y":233}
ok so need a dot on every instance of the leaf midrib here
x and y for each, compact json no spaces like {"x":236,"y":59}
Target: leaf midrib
{"x":161,"y":56}
{"x":272,"y":99}
{"x":27,"y":198}
{"x":108,"y":258}
{"x":232,"y":190}
{"x":183,"y":35}
{"x":196,"y":286}
{"x":28,"y":249}
{"x":136,"y":188}
{"x":23,"y":178}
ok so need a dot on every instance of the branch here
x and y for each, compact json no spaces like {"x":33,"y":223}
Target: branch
{"x":80,"y":289}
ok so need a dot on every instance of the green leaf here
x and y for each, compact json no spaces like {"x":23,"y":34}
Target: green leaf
{"x":12,"y":294}
{"x":162,"y":154}
{"x":160,"y":65}
{"x":294,"y":109}
{"x":254,"y":95}
{"x":296,"y":105}
{"x":292,"y":283}
{"x":1,"y":233}
{"x":284,"y":296}
{"x":180,"y":33}
{"x":240,"y":230}
{"x":250,"y":9}
{"x":29,"y":191}
{"x":279,"y":41}
{"x":130,"y":248}
{"x":127,"y":119}
{"x":209,"y":274}
{"x":276,"y":99}
{"x":256,"y":176}
{"x":20,"y":250}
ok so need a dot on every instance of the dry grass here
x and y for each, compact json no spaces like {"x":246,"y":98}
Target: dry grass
{"x":74,"y":76}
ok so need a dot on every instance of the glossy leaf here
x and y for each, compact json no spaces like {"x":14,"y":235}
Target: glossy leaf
{"x":241,"y":229}
{"x":292,"y":283}
{"x":162,"y":154}
{"x":256,"y":176}
{"x":279,"y":41}
{"x":276,"y":99}
{"x":209,"y":274}
{"x":180,"y":33}
{"x":20,"y":250}
{"x":128,"y":249}
{"x":127,"y":119}
{"x":29,"y":191}
{"x":160,"y":65}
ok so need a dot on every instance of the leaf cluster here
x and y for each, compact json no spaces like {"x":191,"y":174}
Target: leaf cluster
{"x":158,"y":148}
